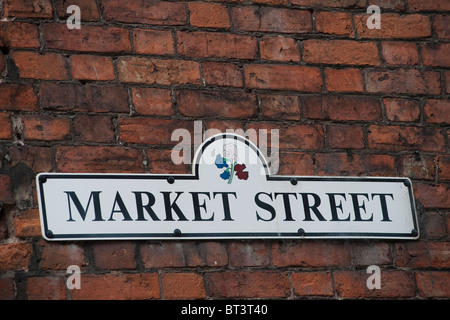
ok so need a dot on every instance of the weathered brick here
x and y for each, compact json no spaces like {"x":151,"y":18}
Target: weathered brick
{"x":208,"y":15}
{"x":5,"y":126}
{"x":394,"y":284}
{"x":119,"y":286}
{"x":343,"y":164}
{"x":405,"y":138}
{"x":27,"y":224}
{"x":88,"y":9}
{"x":114,"y":255}
{"x":19,"y":34}
{"x":27,"y":9}
{"x":39,"y":159}
{"x":249,"y":254}
{"x":434,"y":227}
{"x":365,"y":254}
{"x":277,"y":106}
{"x":433,"y":195}
{"x":433,"y":284}
{"x":15,"y":256}
{"x":437,"y":111}
{"x":61,"y":255}
{"x":157,"y":71}
{"x":246,"y":284}
{"x":222,"y":74}
{"x":296,"y":163}
{"x":7,"y":291}
{"x":412,"y":255}
{"x":347,"y":52}
{"x":328,"y":3}
{"x":46,"y":288}
{"x":440,"y":25}
{"x":183,"y":286}
{"x":160,"y":161}
{"x":145,"y":12}
{"x":152,"y":101}
{"x":443,"y":163}
{"x":279,"y":49}
{"x":409,"y":81}
{"x":312,"y":284}
{"x":98,"y":159}
{"x":283,"y":77}
{"x":47,"y":128}
{"x":87,"y":39}
{"x":424,"y":5}
{"x":398,"y":109}
{"x":49,"y":66}
{"x":93,"y":128}
{"x":395,"y":26}
{"x":342,"y":107}
{"x":90,"y":98}
{"x":416,"y":166}
{"x":88,"y":67}
{"x":16,"y":97}
{"x":213,"y":104}
{"x":217,"y":45}
{"x":153,"y":41}
{"x":302,"y":136}
{"x":338,"y":23}
{"x":436,"y":54}
{"x":345,"y":136}
{"x":400,"y":53}
{"x":344,"y":80}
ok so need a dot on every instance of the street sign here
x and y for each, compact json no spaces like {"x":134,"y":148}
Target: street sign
{"x":229,"y":195}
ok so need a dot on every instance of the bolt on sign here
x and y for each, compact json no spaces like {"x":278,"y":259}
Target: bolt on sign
{"x":230,"y":194}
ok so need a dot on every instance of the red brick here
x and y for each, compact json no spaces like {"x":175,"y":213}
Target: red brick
{"x":7,"y":291}
{"x":208,"y":15}
{"x":277,"y":106}
{"x":435,"y":228}
{"x":443,"y":163}
{"x":93,"y":128}
{"x":440,"y":25}
{"x":312,"y":284}
{"x":17,"y":97}
{"x":279,"y":49}
{"x":27,"y":9}
{"x":27,"y":224}
{"x":15,"y":256}
{"x":398,"y":109}
{"x":249,"y":254}
{"x":247,"y":284}
{"x":447,"y":81}
{"x":394,"y":26}
{"x":310,"y":254}
{"x":114,"y":255}
{"x":153,"y":42}
{"x":216,"y":45}
{"x":98,"y":159}
{"x":302,"y":136}
{"x":400,"y":53}
{"x":184,"y":254}
{"x":19,"y":34}
{"x":342,"y":164}
{"x":437,"y":111}
{"x":345,"y":137}
{"x":157,"y":71}
{"x":424,"y":5}
{"x":425,"y":254}
{"x":39,"y":159}
{"x":88,"y":9}
{"x":348,"y":52}
{"x":87,"y":39}
{"x":338,"y":23}
{"x":47,"y":128}
{"x":61,"y":255}
{"x":328,"y":3}
{"x":183,"y":286}
{"x":90,"y":98}
{"x":344,"y":80}
{"x":5,"y":126}
{"x":152,"y":101}
{"x":342,"y":108}
{"x":433,"y":284}
{"x":266,"y":19}
{"x":436,"y":54}
{"x":439,"y":252}
{"x":409,"y":81}
{"x":87,"y":67}
{"x":433,"y":196}
{"x":46,"y":288}
{"x":296,"y":163}
{"x":281,"y":77}
{"x":49,"y":66}
{"x":405,"y":138}
{"x":412,"y":255}
{"x":145,"y":12}
{"x":394,"y":284}
{"x":119,"y":286}
{"x":365,"y":253}
{"x":160,"y":161}
{"x":416,"y":166}
{"x":222,"y":74}
{"x":213,"y":104}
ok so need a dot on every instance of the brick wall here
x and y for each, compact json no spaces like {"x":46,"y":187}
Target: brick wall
{"x":348,"y":100}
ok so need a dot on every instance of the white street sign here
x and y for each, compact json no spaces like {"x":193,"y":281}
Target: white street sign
{"x":229,"y":195}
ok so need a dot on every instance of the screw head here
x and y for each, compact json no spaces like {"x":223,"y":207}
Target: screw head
{"x":177,"y":233}
{"x":171,"y":180}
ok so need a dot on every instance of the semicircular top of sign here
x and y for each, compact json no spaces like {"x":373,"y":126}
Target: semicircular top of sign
{"x":228,"y":158}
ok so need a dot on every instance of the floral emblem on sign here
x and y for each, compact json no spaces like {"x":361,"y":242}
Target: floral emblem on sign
{"x":229,"y":163}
